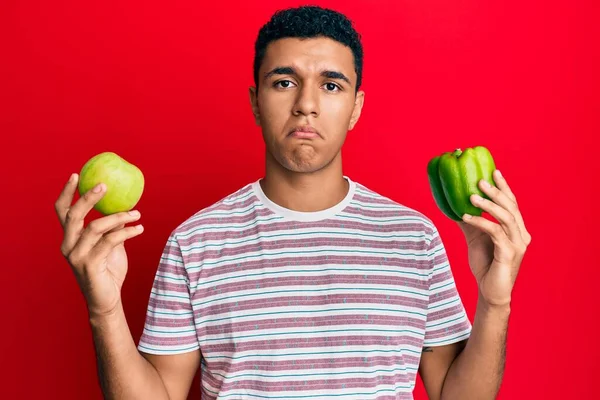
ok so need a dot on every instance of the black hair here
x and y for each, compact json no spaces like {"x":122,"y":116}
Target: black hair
{"x":309,"y":22}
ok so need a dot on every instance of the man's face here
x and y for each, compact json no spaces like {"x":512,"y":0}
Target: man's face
{"x":307,"y":84}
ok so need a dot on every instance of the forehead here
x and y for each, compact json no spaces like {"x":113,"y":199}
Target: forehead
{"x":309,"y":56}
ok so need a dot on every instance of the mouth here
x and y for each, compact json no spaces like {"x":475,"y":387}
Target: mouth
{"x":304,"y":132}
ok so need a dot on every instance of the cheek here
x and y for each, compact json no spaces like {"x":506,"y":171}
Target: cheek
{"x":341,"y":105}
{"x":338,"y":113}
{"x":274,"y":108}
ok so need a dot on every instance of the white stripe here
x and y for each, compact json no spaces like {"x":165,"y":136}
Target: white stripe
{"x":235,"y":241}
{"x":276,"y":254}
{"x":214,"y":297}
{"x":309,"y":353}
{"x":337,"y":312}
{"x":324,"y":394}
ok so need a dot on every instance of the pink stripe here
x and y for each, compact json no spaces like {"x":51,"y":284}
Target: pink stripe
{"x":148,"y":339}
{"x":161,"y":285}
{"x":240,"y":193}
{"x":463,"y":326}
{"x":237,"y":205}
{"x":404,"y":265}
{"x":166,"y":322}
{"x":308,"y":365}
{"x":171,"y":250}
{"x":316,"y":323}
{"x":386,"y":213}
{"x":201,"y":219}
{"x":373,"y":200}
{"x":299,"y":242}
{"x":435,"y":241}
{"x":439,"y":258}
{"x":440,"y":276}
{"x":453,"y":311}
{"x":332,"y":384}
{"x":206,"y":395}
{"x":388,"y":342}
{"x":208,"y":291}
{"x":442,"y":296}
{"x":277,"y":226}
{"x":227,"y":307}
{"x":156,"y":301}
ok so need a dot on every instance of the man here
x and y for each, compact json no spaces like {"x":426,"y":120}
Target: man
{"x":302,"y":284}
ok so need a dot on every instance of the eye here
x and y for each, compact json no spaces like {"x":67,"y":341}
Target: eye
{"x":332,"y":87}
{"x":284,"y":84}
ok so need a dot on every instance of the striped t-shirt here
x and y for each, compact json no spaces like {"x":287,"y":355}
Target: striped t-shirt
{"x":334,"y":304}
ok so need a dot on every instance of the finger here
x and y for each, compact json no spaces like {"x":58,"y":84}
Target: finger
{"x":503,"y":185}
{"x":62,"y":204}
{"x":117,"y":228}
{"x":111,"y":240}
{"x":504,"y":188}
{"x":500,"y":207}
{"x":99,"y":227}
{"x":76,"y":215}
{"x":493,"y":229}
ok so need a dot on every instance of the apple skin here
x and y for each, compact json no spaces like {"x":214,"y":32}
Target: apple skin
{"x":124,"y":182}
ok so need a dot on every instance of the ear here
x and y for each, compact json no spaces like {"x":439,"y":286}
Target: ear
{"x":358,"y":105}
{"x":254,"y":104}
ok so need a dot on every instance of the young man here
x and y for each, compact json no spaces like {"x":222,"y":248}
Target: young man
{"x":303,"y":284}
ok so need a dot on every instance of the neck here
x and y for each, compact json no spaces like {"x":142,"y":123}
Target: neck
{"x":305,"y":191}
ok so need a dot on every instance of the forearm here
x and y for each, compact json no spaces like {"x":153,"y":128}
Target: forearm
{"x":123,"y":372}
{"x":477,"y":371}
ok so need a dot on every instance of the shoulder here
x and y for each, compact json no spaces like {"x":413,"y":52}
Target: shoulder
{"x":371,"y":203}
{"x":218,"y":212}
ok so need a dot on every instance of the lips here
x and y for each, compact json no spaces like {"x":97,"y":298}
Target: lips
{"x":305,"y":132}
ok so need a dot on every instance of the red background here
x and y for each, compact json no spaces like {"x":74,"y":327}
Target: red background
{"x":165,"y":86}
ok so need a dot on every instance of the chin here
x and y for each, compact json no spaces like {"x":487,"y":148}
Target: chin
{"x":301,"y":160}
{"x":304,"y":164}
{"x":301,"y":166}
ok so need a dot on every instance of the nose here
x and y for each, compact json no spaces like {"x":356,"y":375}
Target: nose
{"x":307,"y":102}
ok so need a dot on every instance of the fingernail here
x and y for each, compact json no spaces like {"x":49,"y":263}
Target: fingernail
{"x":467,"y":216}
{"x":477,"y":198}
{"x":98,"y":188}
{"x":499,"y":173}
{"x":71,"y":178}
{"x":134,"y":213}
{"x":139,"y":227}
{"x":485,"y":184}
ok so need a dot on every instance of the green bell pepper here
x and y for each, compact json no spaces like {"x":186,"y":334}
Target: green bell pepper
{"x":454,"y":177}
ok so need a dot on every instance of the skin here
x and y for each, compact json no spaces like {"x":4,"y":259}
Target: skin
{"x":302,"y":174}
{"x":305,"y":174}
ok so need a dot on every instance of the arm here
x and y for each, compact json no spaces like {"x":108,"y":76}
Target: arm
{"x":470,"y":369}
{"x":480,"y":366}
{"x":97,"y":257}
{"x":125,"y":373}
{"x":434,"y":366}
{"x":496,"y":251}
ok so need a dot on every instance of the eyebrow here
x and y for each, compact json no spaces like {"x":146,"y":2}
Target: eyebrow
{"x":291,"y":71}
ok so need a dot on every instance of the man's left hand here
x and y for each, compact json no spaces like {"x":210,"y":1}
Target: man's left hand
{"x":496,"y":249}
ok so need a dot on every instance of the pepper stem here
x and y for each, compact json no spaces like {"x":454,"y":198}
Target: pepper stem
{"x":457,"y":153}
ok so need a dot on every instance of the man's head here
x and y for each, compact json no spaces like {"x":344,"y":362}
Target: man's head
{"x":309,"y":22}
{"x":307,"y":71}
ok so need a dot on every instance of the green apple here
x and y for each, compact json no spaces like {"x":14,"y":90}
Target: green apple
{"x":124,"y":182}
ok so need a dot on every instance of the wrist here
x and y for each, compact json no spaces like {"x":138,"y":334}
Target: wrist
{"x":104,"y":317}
{"x":493,"y":309}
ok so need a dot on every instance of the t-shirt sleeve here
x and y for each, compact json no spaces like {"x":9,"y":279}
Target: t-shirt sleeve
{"x":447,"y":320}
{"x":169,"y":327}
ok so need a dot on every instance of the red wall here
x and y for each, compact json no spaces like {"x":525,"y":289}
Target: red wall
{"x":165,"y":86}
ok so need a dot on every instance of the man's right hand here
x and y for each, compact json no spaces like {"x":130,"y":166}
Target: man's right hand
{"x":96,"y":253}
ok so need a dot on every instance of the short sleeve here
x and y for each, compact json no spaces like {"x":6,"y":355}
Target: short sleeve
{"x":169,"y":327}
{"x":447,"y":320}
